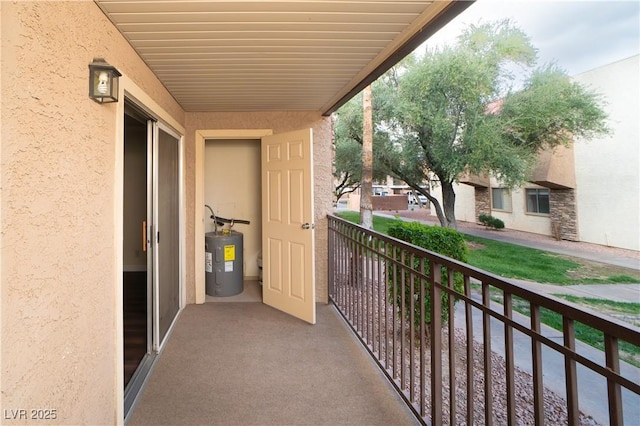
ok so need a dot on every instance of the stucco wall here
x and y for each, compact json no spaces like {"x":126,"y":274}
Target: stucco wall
{"x":518,"y":218}
{"x":233,"y":190}
{"x":59,"y":240}
{"x":608,"y":168}
{"x":279,"y":122}
{"x":464,"y":207}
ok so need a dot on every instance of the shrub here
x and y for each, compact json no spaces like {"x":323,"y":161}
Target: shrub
{"x":445,"y":241}
{"x":490,"y":221}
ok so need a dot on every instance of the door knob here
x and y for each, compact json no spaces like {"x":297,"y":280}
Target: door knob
{"x":308,"y":225}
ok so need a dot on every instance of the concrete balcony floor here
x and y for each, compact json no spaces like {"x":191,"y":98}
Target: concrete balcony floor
{"x":245,"y":363}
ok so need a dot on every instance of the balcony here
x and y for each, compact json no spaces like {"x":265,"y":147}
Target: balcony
{"x":245,"y":363}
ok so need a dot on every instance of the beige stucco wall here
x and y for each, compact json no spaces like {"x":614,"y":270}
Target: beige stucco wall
{"x":279,"y":122}
{"x":464,"y":207}
{"x":233,"y":190}
{"x":518,"y":218}
{"x":555,"y":168}
{"x":61,"y":260}
{"x":608,"y":168}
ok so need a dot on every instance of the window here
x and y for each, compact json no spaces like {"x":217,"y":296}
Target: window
{"x":538,"y":201}
{"x":501,"y":199}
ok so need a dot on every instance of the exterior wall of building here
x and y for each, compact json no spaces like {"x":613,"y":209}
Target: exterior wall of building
{"x":61,"y":206}
{"x":279,"y":122}
{"x":608,"y":169}
{"x":482,"y":200}
{"x":465,"y":207}
{"x":602,"y":204}
{"x":518,"y":218}
{"x":563,"y":214}
{"x":390,"y":202}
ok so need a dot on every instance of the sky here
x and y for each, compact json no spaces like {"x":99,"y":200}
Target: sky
{"x":577,"y":35}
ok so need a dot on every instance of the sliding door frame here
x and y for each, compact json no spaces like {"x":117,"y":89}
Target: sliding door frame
{"x":135,"y":96}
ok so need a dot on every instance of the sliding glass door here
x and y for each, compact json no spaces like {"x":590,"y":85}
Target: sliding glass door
{"x":151,"y":242}
{"x":167,"y":230}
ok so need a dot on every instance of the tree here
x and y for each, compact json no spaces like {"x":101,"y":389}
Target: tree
{"x":454,"y":111}
{"x":347,"y":167}
{"x":366,"y":200}
{"x":348,"y":132}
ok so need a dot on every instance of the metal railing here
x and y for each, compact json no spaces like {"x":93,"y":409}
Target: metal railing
{"x":468,"y":356}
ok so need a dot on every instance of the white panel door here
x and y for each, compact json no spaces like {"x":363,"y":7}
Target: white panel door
{"x":288,"y":279}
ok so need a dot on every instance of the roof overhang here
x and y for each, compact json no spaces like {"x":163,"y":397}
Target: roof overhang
{"x":274,"y":55}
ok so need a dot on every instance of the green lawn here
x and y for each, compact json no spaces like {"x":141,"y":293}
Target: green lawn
{"x":380,"y":224}
{"x":514,"y":261}
{"x":611,"y":306}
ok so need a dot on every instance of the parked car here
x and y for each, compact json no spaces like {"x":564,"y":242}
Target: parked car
{"x":423,"y":200}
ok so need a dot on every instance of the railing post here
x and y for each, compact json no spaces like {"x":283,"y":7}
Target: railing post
{"x":571,"y":378}
{"x":436,"y":343}
{"x":403,"y":317}
{"x":488,"y":368}
{"x":331,"y":260}
{"x":452,"y":347}
{"x":510,"y":363}
{"x":470,"y":353}
{"x":613,"y":388}
{"x":412,"y":329}
{"x":423,"y":343}
{"x":536,"y":355}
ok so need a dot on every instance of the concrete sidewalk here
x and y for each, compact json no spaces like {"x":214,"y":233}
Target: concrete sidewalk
{"x":614,"y":292}
{"x":592,"y":252}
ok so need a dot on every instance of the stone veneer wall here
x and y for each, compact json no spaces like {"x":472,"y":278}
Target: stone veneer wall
{"x":563,"y":214}
{"x":483,"y":201}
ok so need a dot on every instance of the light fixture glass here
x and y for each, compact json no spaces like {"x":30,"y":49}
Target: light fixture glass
{"x":103,"y":81}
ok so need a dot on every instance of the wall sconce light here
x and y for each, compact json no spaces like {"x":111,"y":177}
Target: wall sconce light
{"x":103,"y":81}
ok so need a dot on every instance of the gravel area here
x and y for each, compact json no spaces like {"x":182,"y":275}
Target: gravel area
{"x":399,"y":352}
{"x":406,"y":356}
{"x":555,"y":411}
{"x":407,"y":349}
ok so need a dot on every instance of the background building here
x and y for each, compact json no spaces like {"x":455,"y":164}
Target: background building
{"x":588,"y":192}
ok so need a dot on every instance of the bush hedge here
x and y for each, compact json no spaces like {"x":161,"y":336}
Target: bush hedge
{"x":490,"y":221}
{"x":444,"y":241}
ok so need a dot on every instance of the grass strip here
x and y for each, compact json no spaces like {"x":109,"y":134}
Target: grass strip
{"x":520,"y":262}
{"x":601,"y":305}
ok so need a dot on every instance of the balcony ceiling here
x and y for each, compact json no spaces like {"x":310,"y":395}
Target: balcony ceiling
{"x":274,"y":55}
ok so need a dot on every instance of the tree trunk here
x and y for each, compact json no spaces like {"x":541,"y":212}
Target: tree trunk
{"x":366,"y":188}
{"x":449,"y":204}
{"x":436,"y":205}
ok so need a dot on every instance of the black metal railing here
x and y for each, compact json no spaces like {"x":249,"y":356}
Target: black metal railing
{"x":468,"y":356}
